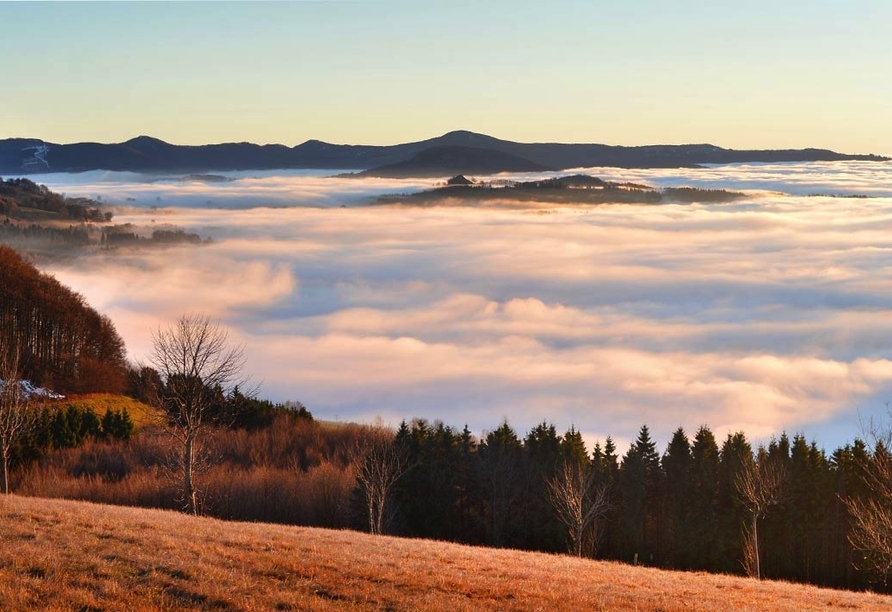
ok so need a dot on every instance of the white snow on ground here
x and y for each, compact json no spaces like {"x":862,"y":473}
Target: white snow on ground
{"x":29,"y":390}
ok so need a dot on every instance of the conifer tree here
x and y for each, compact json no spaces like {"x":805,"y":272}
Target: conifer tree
{"x":542,"y":459}
{"x":676,"y":466}
{"x":702,"y":511}
{"x":573,"y":447}
{"x":501,"y":453}
{"x":639,"y":481}
{"x":735,"y":453}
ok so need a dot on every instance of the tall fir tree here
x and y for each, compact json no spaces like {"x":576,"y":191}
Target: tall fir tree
{"x":703,"y":553}
{"x":677,"y":464}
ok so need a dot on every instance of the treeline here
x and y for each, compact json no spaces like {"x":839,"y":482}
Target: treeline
{"x":70,"y":426}
{"x":564,"y":190}
{"x":67,"y":425}
{"x":274,"y":464}
{"x":696,"y":194}
{"x":233,"y":410}
{"x":48,"y":236}
{"x":63,"y":343}
{"x":128,"y":235}
{"x":31,"y":215}
{"x":680,"y":509}
{"x":19,"y":193}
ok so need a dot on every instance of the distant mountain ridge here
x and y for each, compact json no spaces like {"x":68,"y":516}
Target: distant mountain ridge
{"x":452,"y":153}
{"x":442,"y":160}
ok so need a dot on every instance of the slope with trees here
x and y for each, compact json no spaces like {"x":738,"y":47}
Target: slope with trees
{"x":687,"y":508}
{"x":63,"y":343}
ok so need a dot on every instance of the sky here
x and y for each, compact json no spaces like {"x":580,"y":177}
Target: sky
{"x":754,"y":74}
{"x":766,"y":315}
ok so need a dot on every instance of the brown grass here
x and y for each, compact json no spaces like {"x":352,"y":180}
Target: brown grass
{"x":65,"y":555}
{"x":294,"y":471}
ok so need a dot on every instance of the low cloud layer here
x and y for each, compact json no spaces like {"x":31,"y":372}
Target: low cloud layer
{"x":765,"y":315}
{"x":228,"y":190}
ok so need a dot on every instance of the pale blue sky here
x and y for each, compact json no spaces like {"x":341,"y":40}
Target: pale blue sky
{"x":786,"y":73}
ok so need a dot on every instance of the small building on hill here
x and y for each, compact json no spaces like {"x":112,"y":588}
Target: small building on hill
{"x":460,"y":179}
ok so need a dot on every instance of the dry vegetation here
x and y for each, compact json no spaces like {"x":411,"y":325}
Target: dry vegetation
{"x":294,"y":471}
{"x":65,"y":555}
{"x":142,"y":414}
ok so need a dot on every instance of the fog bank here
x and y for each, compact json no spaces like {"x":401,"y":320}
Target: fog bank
{"x":765,"y":315}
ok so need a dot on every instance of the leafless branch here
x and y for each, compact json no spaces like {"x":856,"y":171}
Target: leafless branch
{"x":578,"y":503}
{"x":18,"y":412}
{"x":195,"y":361}
{"x":761,"y":484}
{"x":380,"y":464}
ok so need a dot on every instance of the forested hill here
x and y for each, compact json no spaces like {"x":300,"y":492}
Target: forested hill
{"x":34,"y":219}
{"x":63,"y":343}
{"x":24,"y":199}
{"x":145,"y":154}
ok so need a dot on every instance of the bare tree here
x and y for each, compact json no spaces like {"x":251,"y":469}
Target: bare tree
{"x":579,"y":504}
{"x":761,"y":485}
{"x":381,"y":463}
{"x":196,"y":365}
{"x":871,"y":533}
{"x":17,"y":412}
{"x":871,"y":529}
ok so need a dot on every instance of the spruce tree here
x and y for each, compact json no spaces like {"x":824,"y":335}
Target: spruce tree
{"x":677,"y":464}
{"x":702,"y":509}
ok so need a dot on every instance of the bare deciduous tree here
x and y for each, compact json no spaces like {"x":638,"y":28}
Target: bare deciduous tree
{"x":196,"y":364}
{"x":579,"y":504}
{"x":761,"y":484}
{"x":871,"y":530}
{"x":871,"y":533}
{"x":17,"y":412}
{"x":381,"y":462}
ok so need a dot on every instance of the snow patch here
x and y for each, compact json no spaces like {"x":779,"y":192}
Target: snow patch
{"x":29,"y":390}
{"x":38,"y":157}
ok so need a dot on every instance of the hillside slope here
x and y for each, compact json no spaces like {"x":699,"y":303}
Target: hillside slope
{"x":64,"y":344}
{"x":450,"y":160}
{"x":64,"y":555}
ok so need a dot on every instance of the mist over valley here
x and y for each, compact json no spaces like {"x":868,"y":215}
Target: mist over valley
{"x":764,"y":315}
{"x":636,"y":309}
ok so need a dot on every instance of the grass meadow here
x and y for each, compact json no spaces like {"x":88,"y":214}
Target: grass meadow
{"x":69,"y":555}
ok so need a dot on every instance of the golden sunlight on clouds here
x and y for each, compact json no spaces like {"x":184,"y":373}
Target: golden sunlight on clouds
{"x":765,"y":315}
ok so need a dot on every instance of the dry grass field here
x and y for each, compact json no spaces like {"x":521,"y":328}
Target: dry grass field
{"x":64,"y":555}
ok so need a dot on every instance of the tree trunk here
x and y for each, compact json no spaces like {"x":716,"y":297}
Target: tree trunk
{"x":758,"y":566}
{"x":373,"y":524}
{"x":4,"y":472}
{"x":188,"y":463}
{"x":379,"y":516}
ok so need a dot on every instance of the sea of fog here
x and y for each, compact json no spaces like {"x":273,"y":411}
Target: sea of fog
{"x":766,"y":315}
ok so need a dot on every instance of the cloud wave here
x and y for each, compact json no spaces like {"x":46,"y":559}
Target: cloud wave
{"x":764,"y":315}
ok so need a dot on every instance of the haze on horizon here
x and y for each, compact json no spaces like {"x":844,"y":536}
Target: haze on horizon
{"x":743,"y":75}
